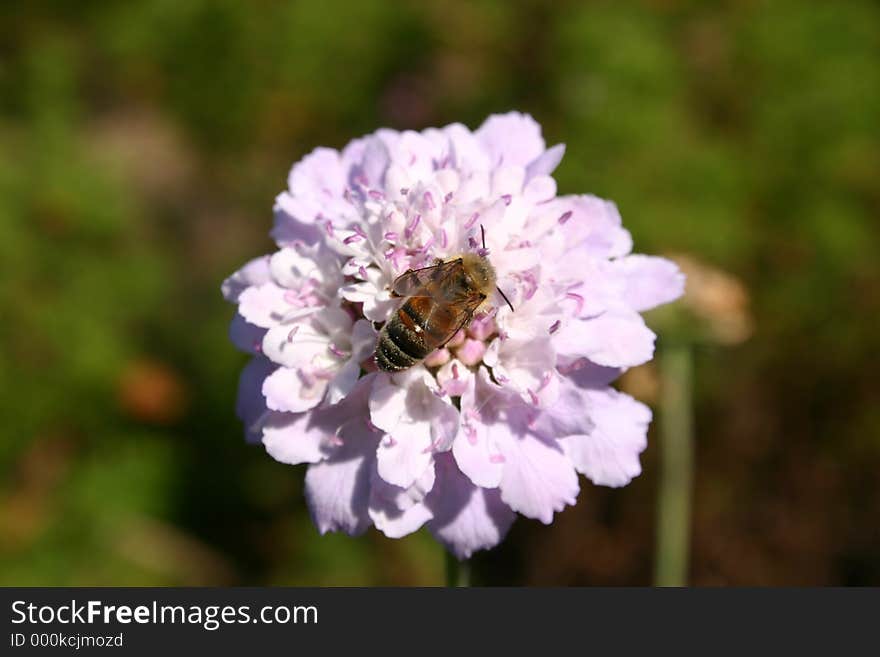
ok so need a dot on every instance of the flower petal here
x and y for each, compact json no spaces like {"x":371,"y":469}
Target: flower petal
{"x":416,"y":420}
{"x":255,"y":272}
{"x":307,"y":341}
{"x":476,"y":449}
{"x":318,"y":174}
{"x":546,"y":162}
{"x":570,"y":414}
{"x":398,"y":511}
{"x":291,"y":438}
{"x":538,"y":479}
{"x":466,"y":518}
{"x":609,"y":454}
{"x":293,"y":390}
{"x":525,"y":364}
{"x":511,"y":139}
{"x":338,"y":489}
{"x":263,"y":305}
{"x":616,"y":338}
{"x":250,"y":405}
{"x":246,"y":336}
{"x":649,"y":281}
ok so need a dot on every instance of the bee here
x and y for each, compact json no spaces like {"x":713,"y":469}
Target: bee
{"x":439,"y":300}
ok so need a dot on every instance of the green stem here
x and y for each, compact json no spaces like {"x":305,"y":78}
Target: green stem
{"x":676,"y":466}
{"x":458,"y":573}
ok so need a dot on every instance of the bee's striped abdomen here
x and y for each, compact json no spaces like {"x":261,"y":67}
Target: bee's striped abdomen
{"x":402,"y":342}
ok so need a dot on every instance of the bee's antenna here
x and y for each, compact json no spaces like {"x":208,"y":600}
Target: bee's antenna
{"x":504,"y":296}
{"x":483,"y":232}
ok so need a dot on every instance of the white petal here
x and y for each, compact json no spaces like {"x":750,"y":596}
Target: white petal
{"x":290,"y":268}
{"x":609,"y":454}
{"x":616,"y":338}
{"x":416,"y":420}
{"x":466,"y":518}
{"x":398,"y":511}
{"x":538,"y":479}
{"x":263,"y":305}
{"x":649,"y":281}
{"x":289,"y":438}
{"x":292,"y":390}
{"x":476,"y":448}
{"x":255,"y":272}
{"x":296,"y":345}
{"x":546,"y":163}
{"x":511,"y":138}
{"x":338,"y":488}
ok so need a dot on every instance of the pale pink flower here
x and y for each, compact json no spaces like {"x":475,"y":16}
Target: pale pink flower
{"x":501,"y":420}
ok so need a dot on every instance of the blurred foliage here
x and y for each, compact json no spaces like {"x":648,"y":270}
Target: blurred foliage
{"x":142,"y":143}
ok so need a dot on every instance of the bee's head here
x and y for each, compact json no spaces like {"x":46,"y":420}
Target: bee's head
{"x":480,"y":271}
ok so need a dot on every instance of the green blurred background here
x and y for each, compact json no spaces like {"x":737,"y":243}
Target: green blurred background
{"x":142,"y":144}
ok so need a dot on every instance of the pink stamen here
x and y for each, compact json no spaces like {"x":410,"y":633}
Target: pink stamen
{"x":411,"y":228}
{"x":329,"y":228}
{"x":507,"y":198}
{"x":376,"y":194}
{"x":545,"y":380}
{"x":533,"y":397}
{"x":444,"y":241}
{"x":532,"y":285}
{"x":429,"y":201}
{"x":555,"y":326}
{"x":390,"y":236}
{"x":455,"y":371}
{"x":351,"y":239}
{"x":470,"y":222}
{"x":292,"y":333}
{"x":336,"y":351}
{"x":577,"y":298}
{"x":447,"y":198}
{"x":362,"y":272}
{"x":565,"y":217}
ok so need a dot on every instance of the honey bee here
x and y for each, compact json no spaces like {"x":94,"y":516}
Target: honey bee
{"x":439,"y":300}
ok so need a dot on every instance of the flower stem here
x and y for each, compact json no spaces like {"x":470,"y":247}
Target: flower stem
{"x":676,"y":466}
{"x":458,"y":573}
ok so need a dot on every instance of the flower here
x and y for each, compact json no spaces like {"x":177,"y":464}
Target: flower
{"x":502,"y":419}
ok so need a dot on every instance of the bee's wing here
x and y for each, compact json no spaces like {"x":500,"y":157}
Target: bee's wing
{"x":414,"y":281}
{"x":467,"y":311}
